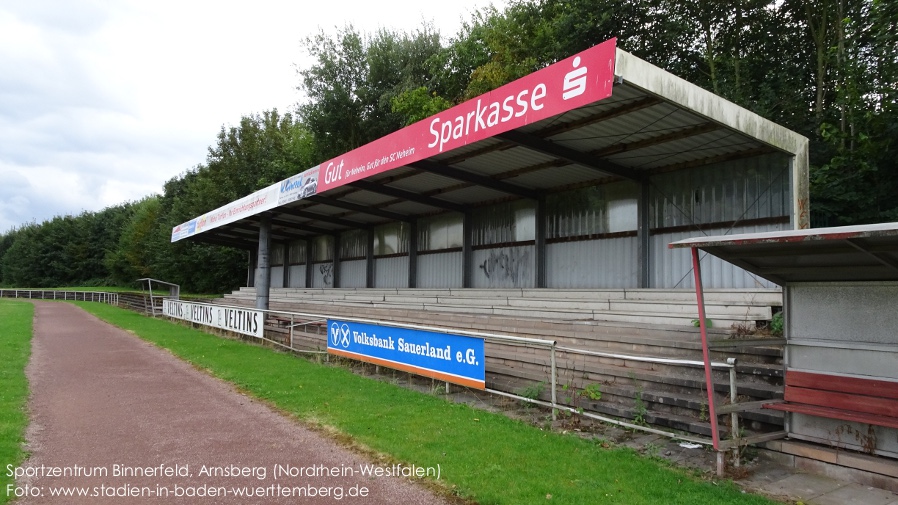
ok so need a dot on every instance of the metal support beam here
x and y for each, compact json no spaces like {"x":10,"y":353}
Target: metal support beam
{"x":308,"y":263}
{"x":369,"y":260}
{"x":286,"y":265}
{"x":413,"y":254}
{"x":251,"y":269}
{"x":362,"y":209}
{"x":480,"y":180}
{"x":407,"y":195}
{"x":643,"y":235}
{"x":706,"y":352}
{"x":290,"y":225}
{"x":884,"y":259}
{"x":236,"y":243}
{"x":551,"y":148}
{"x":467,"y":263}
{"x":263,"y":273}
{"x":322,"y":217}
{"x":541,"y":277}
{"x":336,"y":257}
{"x":252,"y":232}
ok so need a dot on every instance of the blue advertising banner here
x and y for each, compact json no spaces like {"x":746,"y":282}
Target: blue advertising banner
{"x":452,"y":358}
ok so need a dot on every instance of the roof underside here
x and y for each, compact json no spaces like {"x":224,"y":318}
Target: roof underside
{"x":630,"y":135}
{"x":843,"y":254}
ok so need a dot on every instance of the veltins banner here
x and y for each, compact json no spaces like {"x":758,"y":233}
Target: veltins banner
{"x":245,"y":321}
{"x":452,"y":358}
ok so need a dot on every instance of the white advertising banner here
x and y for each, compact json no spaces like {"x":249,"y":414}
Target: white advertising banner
{"x":245,"y":321}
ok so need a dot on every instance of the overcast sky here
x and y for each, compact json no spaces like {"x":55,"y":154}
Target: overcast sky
{"x":101,"y":102}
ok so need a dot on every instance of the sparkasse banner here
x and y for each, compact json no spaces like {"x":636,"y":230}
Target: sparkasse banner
{"x":245,"y":321}
{"x":579,"y":80}
{"x":452,"y":358}
{"x":582,"y":79}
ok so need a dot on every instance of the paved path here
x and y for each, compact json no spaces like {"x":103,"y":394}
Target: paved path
{"x":104,"y":402}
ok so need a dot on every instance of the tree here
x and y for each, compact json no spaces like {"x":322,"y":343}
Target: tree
{"x":352,"y":85}
{"x":259,"y":151}
{"x":132,"y":257}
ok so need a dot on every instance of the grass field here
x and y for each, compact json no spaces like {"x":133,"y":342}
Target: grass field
{"x":484,"y":457}
{"x":15,"y":348}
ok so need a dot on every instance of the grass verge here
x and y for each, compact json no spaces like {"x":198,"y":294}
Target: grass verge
{"x":15,"y":348}
{"x":484,"y":457}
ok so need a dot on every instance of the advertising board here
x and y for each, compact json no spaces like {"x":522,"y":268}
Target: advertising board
{"x":244,"y":321}
{"x":452,"y":358}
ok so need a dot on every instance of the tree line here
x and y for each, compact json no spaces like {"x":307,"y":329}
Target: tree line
{"x":827,"y":69}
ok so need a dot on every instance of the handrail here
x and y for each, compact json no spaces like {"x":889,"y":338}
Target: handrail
{"x":174,"y":291}
{"x":295,"y":319}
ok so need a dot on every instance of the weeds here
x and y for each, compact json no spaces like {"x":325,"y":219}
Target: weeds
{"x":639,"y":408}
{"x":532,"y":392}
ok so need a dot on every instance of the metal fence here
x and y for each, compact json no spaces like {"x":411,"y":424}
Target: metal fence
{"x":308,"y":333}
{"x":41,"y":294}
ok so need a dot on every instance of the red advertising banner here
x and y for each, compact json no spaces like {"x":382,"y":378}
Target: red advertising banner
{"x":576,"y":81}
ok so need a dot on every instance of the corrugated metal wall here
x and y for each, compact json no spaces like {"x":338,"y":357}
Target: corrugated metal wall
{"x":504,"y":267}
{"x":607,"y":263}
{"x":750,"y":189}
{"x":440,"y":270}
{"x":322,"y":275}
{"x":277,"y":277}
{"x":353,"y":244}
{"x":297,"y":276}
{"x":584,"y":227}
{"x":672,"y":268}
{"x":391,"y":272}
{"x":739,"y":190}
{"x":353,"y":273}
{"x":595,"y":210}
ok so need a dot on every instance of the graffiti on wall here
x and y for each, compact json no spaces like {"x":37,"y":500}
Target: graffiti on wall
{"x":327,"y":273}
{"x":804,"y":220}
{"x":503,"y":265}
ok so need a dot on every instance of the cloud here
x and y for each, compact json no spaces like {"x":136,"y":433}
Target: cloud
{"x":102,"y":102}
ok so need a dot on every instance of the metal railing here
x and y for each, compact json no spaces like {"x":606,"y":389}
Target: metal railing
{"x":47,"y":294}
{"x":312,"y":324}
{"x":174,"y":291}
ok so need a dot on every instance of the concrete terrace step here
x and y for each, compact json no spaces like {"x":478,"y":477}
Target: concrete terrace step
{"x":745,"y":305}
{"x":565,"y":331}
{"x":673,"y":395}
{"x":644,"y":313}
{"x":772,"y":297}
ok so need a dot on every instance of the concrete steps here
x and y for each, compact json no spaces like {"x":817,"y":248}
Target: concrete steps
{"x":651,"y":323}
{"x":725,"y":308}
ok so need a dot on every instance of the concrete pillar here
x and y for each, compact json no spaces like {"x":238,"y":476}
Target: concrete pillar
{"x":263,"y":274}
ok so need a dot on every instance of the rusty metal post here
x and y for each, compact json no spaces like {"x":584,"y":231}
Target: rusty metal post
{"x":734,"y":416}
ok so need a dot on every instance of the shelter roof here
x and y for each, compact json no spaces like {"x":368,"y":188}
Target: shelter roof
{"x":847,"y":253}
{"x":648,"y":122}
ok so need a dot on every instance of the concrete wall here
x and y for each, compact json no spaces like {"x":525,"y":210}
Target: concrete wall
{"x":844,"y":329}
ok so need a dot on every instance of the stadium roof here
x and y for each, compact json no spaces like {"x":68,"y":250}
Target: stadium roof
{"x":598,"y":116}
{"x":842,"y":254}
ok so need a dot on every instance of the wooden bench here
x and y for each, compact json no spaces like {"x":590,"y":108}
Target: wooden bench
{"x":868,"y":401}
